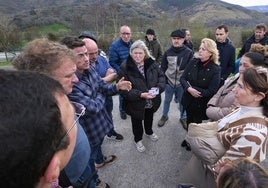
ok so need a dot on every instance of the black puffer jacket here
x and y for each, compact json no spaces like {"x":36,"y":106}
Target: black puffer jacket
{"x":133,"y":104}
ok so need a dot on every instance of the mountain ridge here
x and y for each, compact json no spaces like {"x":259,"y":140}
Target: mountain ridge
{"x":211,"y":13}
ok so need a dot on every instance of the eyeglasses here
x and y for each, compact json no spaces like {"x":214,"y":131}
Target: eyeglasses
{"x":125,"y":33}
{"x":79,"y":111}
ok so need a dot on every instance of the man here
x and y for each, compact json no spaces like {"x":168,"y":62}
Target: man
{"x":38,"y":129}
{"x":173,"y":64}
{"x":91,"y":91}
{"x":189,"y":44}
{"x":118,"y":52}
{"x":59,"y":62}
{"x":89,"y":35}
{"x":226,"y":52}
{"x":187,"y":41}
{"x":108,"y":75}
{"x":153,"y":45}
{"x":260,"y":36}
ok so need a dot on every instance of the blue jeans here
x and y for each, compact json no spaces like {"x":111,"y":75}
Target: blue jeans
{"x":121,"y":103}
{"x":78,"y":169}
{"x":95,"y":157}
{"x":109,"y":109}
{"x":169,"y":91}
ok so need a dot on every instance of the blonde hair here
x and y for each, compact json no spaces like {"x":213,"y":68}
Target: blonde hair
{"x":140,"y":44}
{"x":256,"y":47}
{"x":211,"y":46}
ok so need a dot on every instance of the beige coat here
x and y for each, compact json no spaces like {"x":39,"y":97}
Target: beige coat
{"x":246,"y":140}
{"x":223,"y":102}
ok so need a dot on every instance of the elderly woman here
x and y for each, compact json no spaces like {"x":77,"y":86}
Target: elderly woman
{"x":148,"y":82}
{"x":200,"y":80}
{"x":242,"y":133}
{"x":223,"y":102}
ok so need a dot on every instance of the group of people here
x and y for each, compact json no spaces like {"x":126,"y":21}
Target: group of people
{"x":73,"y":114}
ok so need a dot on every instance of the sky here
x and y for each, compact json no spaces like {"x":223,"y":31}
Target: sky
{"x":247,"y":3}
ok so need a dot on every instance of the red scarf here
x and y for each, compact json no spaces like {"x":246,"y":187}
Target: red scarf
{"x":205,"y":63}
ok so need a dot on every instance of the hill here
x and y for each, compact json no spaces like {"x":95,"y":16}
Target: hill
{"x":208,"y":12}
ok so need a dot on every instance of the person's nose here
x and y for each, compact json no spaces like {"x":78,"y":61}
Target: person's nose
{"x":75,"y":79}
{"x":86,"y":58}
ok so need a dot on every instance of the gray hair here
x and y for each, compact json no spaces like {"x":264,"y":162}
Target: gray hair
{"x":140,"y":44}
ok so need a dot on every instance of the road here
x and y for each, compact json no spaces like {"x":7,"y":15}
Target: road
{"x":162,"y":163}
{"x":159,"y":166}
{"x":10,"y":56}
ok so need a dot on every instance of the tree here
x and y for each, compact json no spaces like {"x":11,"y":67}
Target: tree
{"x":10,"y":36}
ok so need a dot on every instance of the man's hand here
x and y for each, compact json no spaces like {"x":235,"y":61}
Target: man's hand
{"x":110,"y":77}
{"x":123,"y":85}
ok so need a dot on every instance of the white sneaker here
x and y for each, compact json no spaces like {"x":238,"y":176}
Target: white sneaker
{"x":153,"y":137}
{"x":140,"y":146}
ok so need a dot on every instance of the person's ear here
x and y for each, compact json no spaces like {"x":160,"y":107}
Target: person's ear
{"x":259,"y":96}
{"x":53,"y":170}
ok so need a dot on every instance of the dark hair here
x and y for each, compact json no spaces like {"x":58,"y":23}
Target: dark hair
{"x":87,"y":34}
{"x":72,"y":42}
{"x":257,"y":82}
{"x":31,"y":130}
{"x":243,"y":173}
{"x":223,"y":27}
{"x":261,"y":26}
{"x":43,"y":56}
{"x":256,"y":58}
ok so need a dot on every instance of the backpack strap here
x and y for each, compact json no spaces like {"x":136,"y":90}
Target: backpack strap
{"x":260,"y":120}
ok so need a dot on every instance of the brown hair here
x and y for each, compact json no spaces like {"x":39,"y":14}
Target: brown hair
{"x":243,"y":173}
{"x":256,"y":80}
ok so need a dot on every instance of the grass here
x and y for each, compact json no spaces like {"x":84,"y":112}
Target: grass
{"x":8,"y":63}
{"x":53,"y":28}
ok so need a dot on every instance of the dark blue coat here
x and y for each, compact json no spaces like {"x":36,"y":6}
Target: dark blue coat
{"x":227,"y":58}
{"x":118,"y":53}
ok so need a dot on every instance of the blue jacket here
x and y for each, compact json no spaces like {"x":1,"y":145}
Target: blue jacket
{"x":118,"y":53}
{"x":91,"y":91}
{"x":227,"y":58}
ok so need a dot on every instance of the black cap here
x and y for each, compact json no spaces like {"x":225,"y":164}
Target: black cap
{"x":87,"y":34}
{"x":178,"y":33}
{"x":150,"y":32}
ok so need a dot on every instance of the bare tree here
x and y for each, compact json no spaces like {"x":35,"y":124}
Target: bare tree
{"x":113,"y":13}
{"x":10,"y":36}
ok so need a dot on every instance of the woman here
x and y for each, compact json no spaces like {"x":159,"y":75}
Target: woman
{"x":242,"y":173}
{"x":141,"y":101}
{"x":245,"y":139}
{"x":200,"y":80}
{"x":223,"y":102}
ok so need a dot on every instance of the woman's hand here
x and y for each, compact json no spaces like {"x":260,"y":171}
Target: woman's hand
{"x":147,"y":95}
{"x":195,"y":93}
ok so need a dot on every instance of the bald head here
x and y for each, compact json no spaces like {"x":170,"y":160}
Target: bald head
{"x":92,"y":49}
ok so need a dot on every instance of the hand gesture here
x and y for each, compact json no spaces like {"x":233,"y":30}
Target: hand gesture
{"x":123,"y":85}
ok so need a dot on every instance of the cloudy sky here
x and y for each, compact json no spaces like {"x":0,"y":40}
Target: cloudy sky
{"x":246,"y":3}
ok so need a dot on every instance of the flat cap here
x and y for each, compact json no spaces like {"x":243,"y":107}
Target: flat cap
{"x":178,"y":33}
